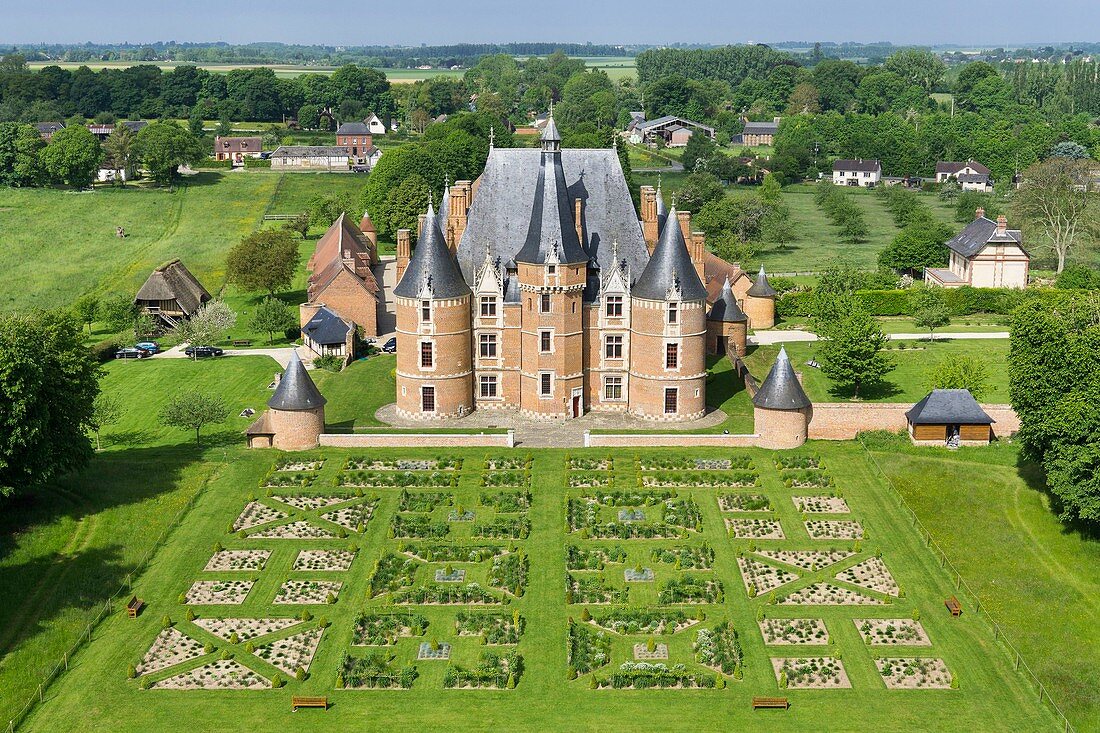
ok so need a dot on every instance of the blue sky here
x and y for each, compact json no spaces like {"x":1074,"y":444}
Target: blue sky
{"x":339,"y":22}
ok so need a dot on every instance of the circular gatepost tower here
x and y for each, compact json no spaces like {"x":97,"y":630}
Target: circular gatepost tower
{"x":727,"y":325}
{"x":760,"y":302}
{"x":781,"y":409}
{"x":297,"y":415}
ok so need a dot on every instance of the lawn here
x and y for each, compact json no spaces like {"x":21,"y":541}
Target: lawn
{"x":95,"y":694}
{"x":1037,"y":576}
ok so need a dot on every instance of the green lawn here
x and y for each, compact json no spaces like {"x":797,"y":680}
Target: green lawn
{"x":96,"y":696}
{"x":1039,"y":578}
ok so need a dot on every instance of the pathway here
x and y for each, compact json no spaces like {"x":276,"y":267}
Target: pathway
{"x":385,"y":272}
{"x":279,"y":354}
{"x":764,"y":338}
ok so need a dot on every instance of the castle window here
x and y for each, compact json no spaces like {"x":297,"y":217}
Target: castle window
{"x":544,"y":341}
{"x":613,"y":347}
{"x":613,"y":388}
{"x":488,"y":345}
{"x":614,"y":306}
{"x":672,"y":356}
{"x":488,"y":385}
{"x":427,"y":399}
{"x":673,"y":313}
{"x":545,"y":384}
{"x":552,"y":269}
{"x":544,"y":303}
{"x":425,"y":311}
{"x":670,"y":401}
{"x":426,"y":354}
{"x":488,"y":306}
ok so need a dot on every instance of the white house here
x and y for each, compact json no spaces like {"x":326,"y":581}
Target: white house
{"x":971,"y":175}
{"x":375,"y":125}
{"x":986,"y":254}
{"x":858,"y":172}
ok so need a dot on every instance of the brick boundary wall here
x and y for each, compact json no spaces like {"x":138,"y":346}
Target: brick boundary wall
{"x":418,"y":440}
{"x":843,"y":420}
{"x":686,"y":440}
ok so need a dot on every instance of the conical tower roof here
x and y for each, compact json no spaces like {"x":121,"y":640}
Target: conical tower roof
{"x":432,"y":265}
{"x":762,"y":288}
{"x":444,"y":208}
{"x":550,"y":132}
{"x":552,"y":227}
{"x":670,"y":265}
{"x":296,"y":390}
{"x":781,"y":389}
{"x":365,"y":224}
{"x":662,"y":211}
{"x":726,"y":308}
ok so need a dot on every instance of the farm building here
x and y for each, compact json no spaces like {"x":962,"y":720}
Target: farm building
{"x":310,"y":157}
{"x":171,"y":293}
{"x":375,"y":125}
{"x":237,"y":149}
{"x":666,"y":127}
{"x":296,"y":415}
{"x":758,"y":133}
{"x":860,"y":172}
{"x":950,"y":417}
{"x":359,"y":140}
{"x":986,"y":254}
{"x":104,"y":131}
{"x":341,"y":278}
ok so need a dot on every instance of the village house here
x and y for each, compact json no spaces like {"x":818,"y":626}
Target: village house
{"x":359,"y":141}
{"x":341,"y":279}
{"x":310,"y":157}
{"x":327,"y":334}
{"x":171,"y":293}
{"x":46,"y":130}
{"x":674,"y":131}
{"x":237,"y":149}
{"x":535,"y":288}
{"x":861,"y":172}
{"x":986,"y":254}
{"x":758,"y":133}
{"x":103,"y":131}
{"x":374,"y":124}
{"x":971,"y":175}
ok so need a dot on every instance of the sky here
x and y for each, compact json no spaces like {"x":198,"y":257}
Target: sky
{"x":338,"y":22}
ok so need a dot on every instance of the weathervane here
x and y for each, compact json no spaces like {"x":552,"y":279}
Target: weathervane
{"x":492,"y":136}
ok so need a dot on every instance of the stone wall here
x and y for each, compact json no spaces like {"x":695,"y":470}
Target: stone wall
{"x":418,"y":440}
{"x":843,"y":420}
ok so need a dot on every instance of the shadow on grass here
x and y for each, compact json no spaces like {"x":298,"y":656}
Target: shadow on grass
{"x":1032,"y":474}
{"x":877,"y":391}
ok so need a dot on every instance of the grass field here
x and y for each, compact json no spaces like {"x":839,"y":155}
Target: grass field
{"x":95,"y":694}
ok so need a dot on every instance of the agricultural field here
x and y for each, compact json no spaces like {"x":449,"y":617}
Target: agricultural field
{"x":524,"y":591}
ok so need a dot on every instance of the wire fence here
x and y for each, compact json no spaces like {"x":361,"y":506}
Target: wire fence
{"x":962,"y":588}
{"x":105,"y":610}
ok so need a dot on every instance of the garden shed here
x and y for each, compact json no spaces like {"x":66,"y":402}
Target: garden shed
{"x":950,"y":417}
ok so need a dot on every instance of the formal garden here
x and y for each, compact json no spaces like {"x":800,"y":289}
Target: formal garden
{"x":547,"y":584}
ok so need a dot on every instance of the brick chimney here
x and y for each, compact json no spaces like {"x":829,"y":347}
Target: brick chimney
{"x":578,"y":223}
{"x":649,"y":216}
{"x":1002,"y":225}
{"x":404,"y":251}
{"x":979,"y":212}
{"x":461,"y":200}
{"x":697,"y":247}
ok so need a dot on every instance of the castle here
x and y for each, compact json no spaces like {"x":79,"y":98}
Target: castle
{"x":538,"y":288}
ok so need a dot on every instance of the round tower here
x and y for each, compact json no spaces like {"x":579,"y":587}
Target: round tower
{"x":781,"y":409}
{"x":759,"y":303}
{"x":668,"y":328}
{"x":434,"y":356}
{"x":727,"y":325}
{"x":296,"y":417}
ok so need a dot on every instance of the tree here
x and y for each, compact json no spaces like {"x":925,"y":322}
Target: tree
{"x":72,"y":156}
{"x":194,"y":411}
{"x":117,"y":311}
{"x":106,"y":410}
{"x":1077,"y":277}
{"x":263,"y":261}
{"x":698,"y":190}
{"x":270,"y":316}
{"x":86,"y":308}
{"x":1069,"y":149}
{"x":326,"y":208}
{"x":48,"y":384}
{"x":699,"y":148}
{"x":850,"y":349}
{"x":118,"y":152}
{"x":1054,"y":203}
{"x":916,"y":67}
{"x":920,"y":244}
{"x":804,"y":100}
{"x":207,"y":324}
{"x":959,"y":372}
{"x":163,"y":147}
{"x":929,"y":308}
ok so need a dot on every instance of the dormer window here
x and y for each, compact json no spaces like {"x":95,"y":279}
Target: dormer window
{"x":673,"y":313}
{"x":425,"y":311}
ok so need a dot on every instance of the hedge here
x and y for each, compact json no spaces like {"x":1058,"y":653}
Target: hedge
{"x":211,"y":163}
{"x":257,"y":162}
{"x":964,"y":301}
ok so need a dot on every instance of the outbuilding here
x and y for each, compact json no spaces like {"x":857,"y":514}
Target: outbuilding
{"x":949,"y":417}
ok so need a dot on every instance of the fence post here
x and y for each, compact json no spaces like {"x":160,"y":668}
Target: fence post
{"x":1017,"y":667}
{"x":1040,"y":692}
{"x":65,"y":656}
{"x":40,"y":693}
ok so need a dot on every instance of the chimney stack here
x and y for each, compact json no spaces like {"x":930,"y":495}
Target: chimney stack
{"x":684,"y":217}
{"x":698,"y":249}
{"x":404,"y":251}
{"x":1002,"y":225}
{"x":649,"y":216}
{"x":461,"y":200}
{"x":979,"y":212}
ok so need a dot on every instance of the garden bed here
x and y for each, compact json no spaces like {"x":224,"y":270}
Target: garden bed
{"x":695,"y":479}
{"x":871,"y":574}
{"x":324,"y":560}
{"x":787,"y":461}
{"x":493,"y":672}
{"x":744,"y":503}
{"x":218,"y":592}
{"x":509,"y":573}
{"x":292,"y":464}
{"x":423,"y":501}
{"x":470,"y":594}
{"x":293,"y":652}
{"x":254,"y":514}
{"x":720,"y":649}
{"x":590,"y":479}
{"x":643,"y":652}
{"x":244,"y":629}
{"x":834,"y":529}
{"x":237,"y":560}
{"x":589,"y":648}
{"x":507,"y":463}
{"x":681,"y":463}
{"x":429,"y":650}
{"x":810,"y":673}
{"x":592,"y":558}
{"x":494,"y":628}
{"x":892,"y":632}
{"x":827,"y":594}
{"x":633,"y":621}
{"x":805,"y":478}
{"x":223,"y":674}
{"x":690,"y":589}
{"x":308,"y":592}
{"x":283,"y":478}
{"x":507,"y":502}
{"x":384,"y":629}
{"x":398,"y":479}
{"x":310,"y":503}
{"x":914,"y":673}
{"x":506,"y":478}
{"x":403,"y":464}
{"x":797,"y":631}
{"x":452,"y":553}
{"x":504,"y":528}
{"x":584,"y":463}
{"x":646,"y":675}
{"x":416,"y":526}
{"x":592,"y":590}
{"x":823,"y":504}
{"x":685,"y":557}
{"x":807,"y":559}
{"x":300,"y":530}
{"x":757,"y":529}
{"x":374,"y":671}
{"x":761,"y":578}
{"x":171,"y":647}
{"x":353,"y":518}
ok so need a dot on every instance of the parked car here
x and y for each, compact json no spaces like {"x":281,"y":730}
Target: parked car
{"x":151,"y":346}
{"x":390,"y":347}
{"x":201,"y":352}
{"x":132,"y":352}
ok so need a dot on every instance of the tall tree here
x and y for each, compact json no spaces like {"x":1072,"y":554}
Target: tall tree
{"x":73,"y":156}
{"x":959,"y":372}
{"x":118,"y":152}
{"x":106,"y":410}
{"x":264,"y":261}
{"x":86,"y":308}
{"x":850,"y":348}
{"x":271,"y":316}
{"x":1054,"y":204}
{"x":164,"y":146}
{"x":929,"y":308}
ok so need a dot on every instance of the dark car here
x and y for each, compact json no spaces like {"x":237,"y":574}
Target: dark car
{"x":390,"y":347}
{"x":132,"y":352}
{"x":151,"y":346}
{"x":201,"y":352}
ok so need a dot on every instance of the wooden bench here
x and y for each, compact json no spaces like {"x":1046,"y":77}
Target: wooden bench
{"x":308,"y":702}
{"x":770,"y":702}
{"x":954,"y":606}
{"x":133,"y":608}
{"x":242,"y":342}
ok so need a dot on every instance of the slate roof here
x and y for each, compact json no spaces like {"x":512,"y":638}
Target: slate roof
{"x":173,"y":281}
{"x":952,"y":167}
{"x":725,"y":309}
{"x":781,"y":389}
{"x":252,"y":144}
{"x":670,"y":265}
{"x":135,"y":125}
{"x":973,"y":178}
{"x":327,"y":328}
{"x":948,"y":407}
{"x":670,"y":119}
{"x":353,"y":128}
{"x":977,"y":234}
{"x":762,"y":288}
{"x":310,"y":151}
{"x":860,"y":164}
{"x":296,"y":390}
{"x":551,"y":228}
{"x":504,"y":197}
{"x":431,"y":263}
{"x":49,"y":128}
{"x":761,"y":128}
